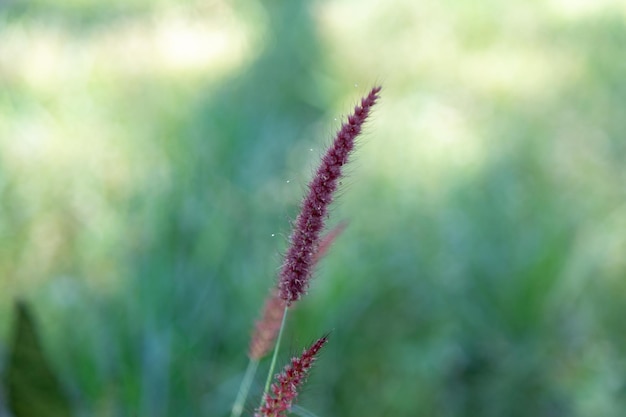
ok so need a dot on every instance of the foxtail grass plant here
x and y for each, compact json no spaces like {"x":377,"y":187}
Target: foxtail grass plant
{"x":306,"y":247}
{"x":285,"y":389}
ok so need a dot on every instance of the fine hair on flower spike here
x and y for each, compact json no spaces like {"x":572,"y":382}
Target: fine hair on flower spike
{"x":285,"y":388}
{"x":267,"y":327}
{"x":304,"y":241}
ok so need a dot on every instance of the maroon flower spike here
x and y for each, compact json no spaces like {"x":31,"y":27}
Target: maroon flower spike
{"x":285,"y":389}
{"x":267,"y":328}
{"x":304,"y":241}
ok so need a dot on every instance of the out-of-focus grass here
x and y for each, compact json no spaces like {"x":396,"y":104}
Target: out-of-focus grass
{"x":152,"y":154}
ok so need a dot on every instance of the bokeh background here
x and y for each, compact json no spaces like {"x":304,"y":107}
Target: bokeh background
{"x":153,"y":154}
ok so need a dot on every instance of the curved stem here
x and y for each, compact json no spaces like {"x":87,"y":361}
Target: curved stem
{"x":274,"y":356}
{"x":244,"y":388}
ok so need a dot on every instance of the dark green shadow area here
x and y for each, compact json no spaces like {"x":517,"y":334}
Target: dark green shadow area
{"x":33,"y":388}
{"x":208,"y":258}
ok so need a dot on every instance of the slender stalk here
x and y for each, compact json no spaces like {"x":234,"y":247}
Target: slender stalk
{"x":267,"y":327}
{"x":270,"y":374}
{"x":244,"y":388}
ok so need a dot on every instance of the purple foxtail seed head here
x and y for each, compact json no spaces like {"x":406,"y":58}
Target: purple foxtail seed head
{"x":300,"y":257}
{"x":285,"y":388}
{"x":267,"y":328}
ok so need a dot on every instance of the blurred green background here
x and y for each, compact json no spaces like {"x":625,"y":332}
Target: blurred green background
{"x":153,"y":153}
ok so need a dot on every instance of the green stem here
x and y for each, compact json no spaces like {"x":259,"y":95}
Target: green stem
{"x":244,"y":388}
{"x":270,"y":374}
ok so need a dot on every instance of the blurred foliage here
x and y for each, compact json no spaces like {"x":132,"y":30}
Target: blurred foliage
{"x":153,"y":153}
{"x":33,"y":387}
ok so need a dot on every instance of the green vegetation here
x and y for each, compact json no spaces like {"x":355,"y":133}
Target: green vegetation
{"x":153,"y":153}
